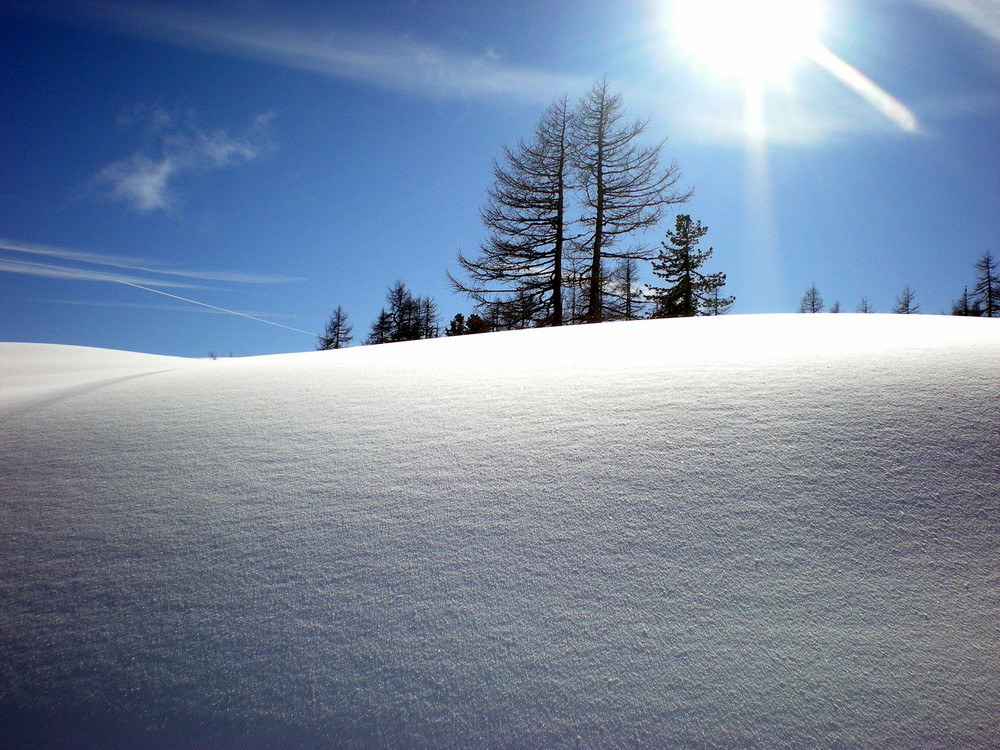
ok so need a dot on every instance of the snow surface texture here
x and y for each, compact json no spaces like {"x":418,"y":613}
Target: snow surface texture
{"x":743,"y":532}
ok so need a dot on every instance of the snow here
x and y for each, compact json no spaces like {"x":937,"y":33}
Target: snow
{"x":739,"y":532}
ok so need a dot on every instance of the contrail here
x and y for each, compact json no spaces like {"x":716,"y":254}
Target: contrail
{"x":213,"y":307}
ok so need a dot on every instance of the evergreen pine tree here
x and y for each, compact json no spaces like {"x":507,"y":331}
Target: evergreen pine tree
{"x":475,"y":324}
{"x":457,"y":326}
{"x":864,"y":306}
{"x":689,"y":291}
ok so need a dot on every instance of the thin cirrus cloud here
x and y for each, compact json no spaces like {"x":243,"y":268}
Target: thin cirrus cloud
{"x":155,"y":273}
{"x":983,"y":15}
{"x":405,"y":64}
{"x":150,"y":283}
{"x":396,"y":62}
{"x":173,"y":146}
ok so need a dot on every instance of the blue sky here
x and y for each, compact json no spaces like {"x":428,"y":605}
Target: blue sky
{"x":280,"y":159}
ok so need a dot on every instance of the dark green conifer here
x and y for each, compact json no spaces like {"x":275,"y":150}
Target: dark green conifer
{"x":689,"y":292}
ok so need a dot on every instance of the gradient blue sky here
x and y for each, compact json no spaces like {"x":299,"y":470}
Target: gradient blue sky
{"x":279,"y":159}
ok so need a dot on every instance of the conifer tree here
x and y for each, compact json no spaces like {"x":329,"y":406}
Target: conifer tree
{"x":719,"y":305}
{"x":427,"y":318}
{"x":811,"y":301}
{"x":381,"y":330}
{"x":527,"y":216}
{"x":406,"y":318}
{"x":906,"y":302}
{"x":338,"y":331}
{"x":987,"y":289}
{"x":457,"y":326}
{"x":864,"y":306}
{"x":475,"y":324}
{"x":626,"y":298}
{"x":966,"y":305}
{"x":689,"y":291}
{"x":624,"y":188}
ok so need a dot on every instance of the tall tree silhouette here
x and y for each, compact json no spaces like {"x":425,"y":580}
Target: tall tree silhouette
{"x":987,"y":289}
{"x":521,"y":264}
{"x":624,"y":188}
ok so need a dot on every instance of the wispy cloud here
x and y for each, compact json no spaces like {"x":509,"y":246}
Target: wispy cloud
{"x":397,"y":62}
{"x":983,"y":15}
{"x":172,"y":146}
{"x":155,"y":283}
{"x":139,"y":181}
{"x":128,"y":263}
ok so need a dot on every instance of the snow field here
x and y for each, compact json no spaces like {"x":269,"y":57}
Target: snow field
{"x":749,"y":532}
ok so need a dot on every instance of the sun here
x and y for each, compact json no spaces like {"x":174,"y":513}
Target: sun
{"x":758,"y":40}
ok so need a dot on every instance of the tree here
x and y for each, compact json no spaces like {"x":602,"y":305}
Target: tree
{"x":987,"y":289}
{"x":689,"y":291}
{"x":624,"y":189}
{"x":427,"y":318}
{"x":835,"y":307}
{"x":906,"y":302}
{"x":811,"y":301}
{"x":719,"y":305}
{"x":476,"y":324}
{"x":457,"y":326}
{"x":526,"y":213}
{"x":381,"y":330}
{"x":574,"y":296}
{"x":966,"y":305}
{"x":626,"y":297}
{"x":338,"y":331}
{"x":864,"y":306}
{"x":405,"y":318}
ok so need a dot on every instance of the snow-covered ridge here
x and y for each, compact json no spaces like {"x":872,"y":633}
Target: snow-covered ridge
{"x":760,"y":531}
{"x":33,"y":370}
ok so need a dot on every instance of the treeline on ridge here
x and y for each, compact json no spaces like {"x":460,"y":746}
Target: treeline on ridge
{"x":563,"y":215}
{"x":982,"y":301}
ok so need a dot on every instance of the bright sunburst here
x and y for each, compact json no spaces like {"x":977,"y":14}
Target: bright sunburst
{"x":760,"y":43}
{"x":759,"y":40}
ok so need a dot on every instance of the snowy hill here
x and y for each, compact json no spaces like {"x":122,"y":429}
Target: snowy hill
{"x":744,"y":532}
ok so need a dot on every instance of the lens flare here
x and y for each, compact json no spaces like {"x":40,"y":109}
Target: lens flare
{"x":878,"y":98}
